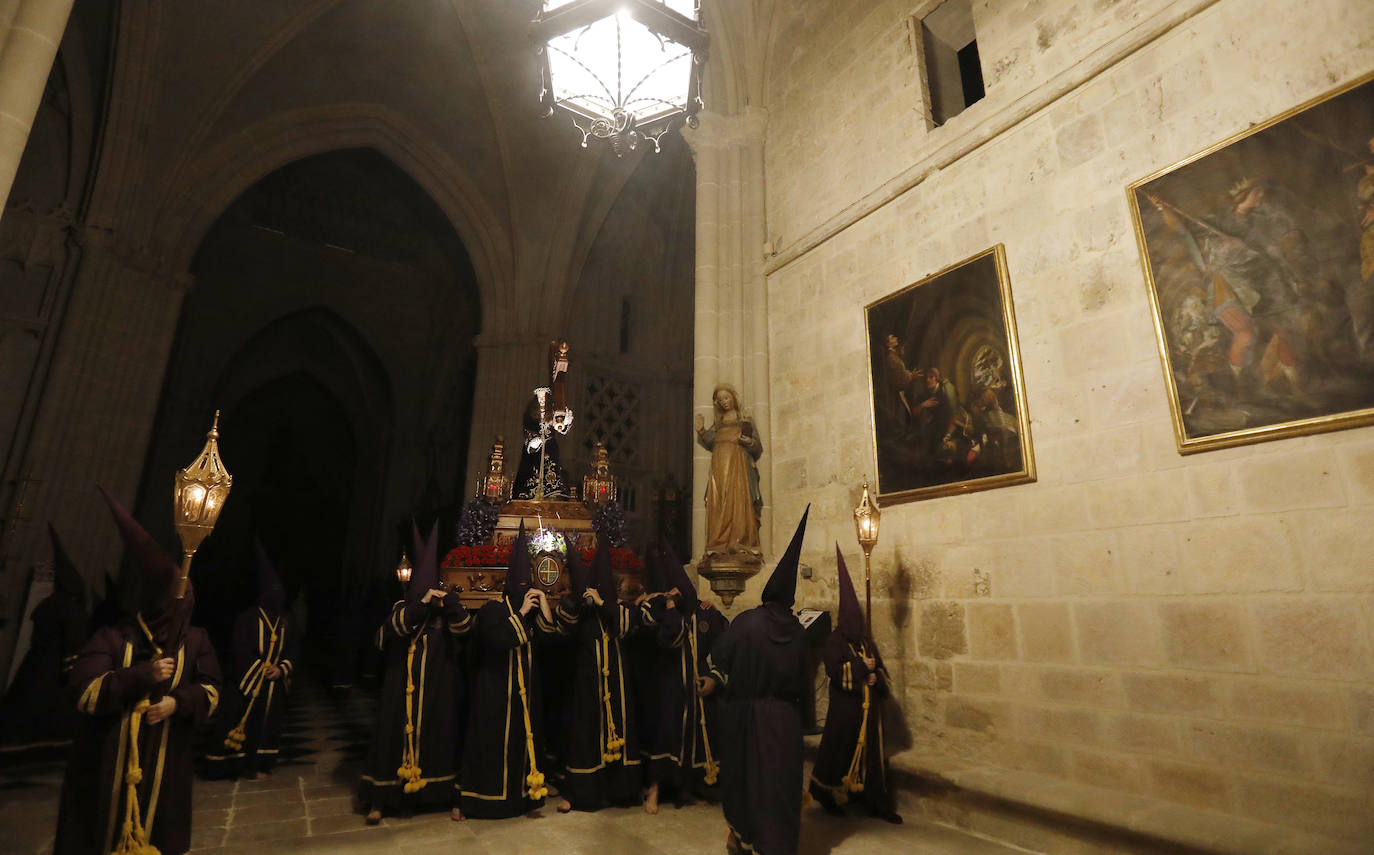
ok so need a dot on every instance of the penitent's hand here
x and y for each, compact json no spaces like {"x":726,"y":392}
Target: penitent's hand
{"x":531,"y":600}
{"x":872,"y":679}
{"x":161,"y":710}
{"x":705,"y":686}
{"x":163,"y":669}
{"x":594,"y":595}
{"x":700,"y":422}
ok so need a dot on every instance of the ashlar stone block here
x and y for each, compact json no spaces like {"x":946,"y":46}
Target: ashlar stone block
{"x":1046,"y":632}
{"x":1313,"y":637}
{"x":941,"y":632}
{"x":1206,"y":634}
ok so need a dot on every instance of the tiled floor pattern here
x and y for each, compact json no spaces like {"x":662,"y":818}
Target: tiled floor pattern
{"x":306,"y":807}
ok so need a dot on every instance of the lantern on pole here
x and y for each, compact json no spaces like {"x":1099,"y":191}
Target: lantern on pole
{"x":403,"y":570}
{"x":867,"y":517}
{"x":197,"y":498}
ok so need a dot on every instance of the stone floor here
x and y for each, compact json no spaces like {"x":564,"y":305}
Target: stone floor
{"x":307,"y":807}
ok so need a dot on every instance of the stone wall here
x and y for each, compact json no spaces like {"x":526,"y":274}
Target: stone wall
{"x":1195,"y":629}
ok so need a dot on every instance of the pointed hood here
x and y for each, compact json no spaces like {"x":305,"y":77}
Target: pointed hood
{"x":851,"y":618}
{"x":579,"y":577}
{"x":655,"y":578}
{"x":678,"y":578}
{"x":782,"y":585}
{"x":66,"y":578}
{"x":110,"y":609}
{"x":158,"y":571}
{"x":271,"y":593}
{"x":425,"y":552}
{"x":518,"y":570}
{"x":602,"y":574}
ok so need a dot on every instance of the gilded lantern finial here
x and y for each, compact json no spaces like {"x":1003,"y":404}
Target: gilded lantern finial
{"x":198,"y":496}
{"x":600,"y":486}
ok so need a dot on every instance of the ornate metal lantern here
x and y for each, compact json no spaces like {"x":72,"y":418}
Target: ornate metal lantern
{"x":866,"y":520}
{"x":197,"y":498}
{"x":624,"y":70}
{"x":403,"y":570}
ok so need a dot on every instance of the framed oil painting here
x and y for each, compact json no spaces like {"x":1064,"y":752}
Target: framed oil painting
{"x":949,"y":404}
{"x":1259,"y":254}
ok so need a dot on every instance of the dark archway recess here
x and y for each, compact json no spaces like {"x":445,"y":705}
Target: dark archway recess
{"x":332,"y":322}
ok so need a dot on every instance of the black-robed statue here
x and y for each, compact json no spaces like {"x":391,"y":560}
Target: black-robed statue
{"x":412,"y":762}
{"x":128,"y":779}
{"x":248,"y":732}
{"x":852,"y":763}
{"x":760,"y":662}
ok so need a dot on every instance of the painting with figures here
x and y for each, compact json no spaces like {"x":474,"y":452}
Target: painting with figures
{"x":1259,"y":255}
{"x":949,"y":405}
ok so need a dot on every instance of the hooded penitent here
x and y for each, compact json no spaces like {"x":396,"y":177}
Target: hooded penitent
{"x":66,"y":579}
{"x":851,"y":618}
{"x":655,"y":579}
{"x":157,"y":602}
{"x":425,"y":575}
{"x":678,"y":578}
{"x":518,"y":570}
{"x":782,"y":585}
{"x":579,"y":577}
{"x":271,"y":594}
{"x":602,"y":574}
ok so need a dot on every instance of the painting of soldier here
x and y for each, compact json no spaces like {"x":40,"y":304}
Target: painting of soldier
{"x":949,"y":409}
{"x":1260,"y":260}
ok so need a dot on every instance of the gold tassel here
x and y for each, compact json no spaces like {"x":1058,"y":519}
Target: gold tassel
{"x":409,"y":771}
{"x":712,"y":767}
{"x":133,"y":838}
{"x":613,"y":742}
{"x":535,"y":779}
{"x":854,"y":781}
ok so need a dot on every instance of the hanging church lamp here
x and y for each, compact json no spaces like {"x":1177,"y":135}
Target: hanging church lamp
{"x":623,"y":70}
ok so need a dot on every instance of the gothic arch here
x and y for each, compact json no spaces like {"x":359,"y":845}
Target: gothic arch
{"x":215,"y":180}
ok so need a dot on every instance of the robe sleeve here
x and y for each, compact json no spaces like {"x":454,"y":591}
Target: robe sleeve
{"x":670,"y":628}
{"x":103,"y":686}
{"x":844,"y":667}
{"x":617,"y":618}
{"x":550,"y":627}
{"x":719,"y":660}
{"x":457,"y":618}
{"x":290,"y":649}
{"x":499,"y":629}
{"x":197,"y":695}
{"x":568,"y":611}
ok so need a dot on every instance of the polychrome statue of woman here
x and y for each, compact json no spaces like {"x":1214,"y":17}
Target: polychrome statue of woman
{"x":733,"y":500}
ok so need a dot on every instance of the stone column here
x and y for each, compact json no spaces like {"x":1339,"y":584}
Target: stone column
{"x":731,"y":341}
{"x":509,"y":367}
{"x":30,"y":32}
{"x":96,"y":411}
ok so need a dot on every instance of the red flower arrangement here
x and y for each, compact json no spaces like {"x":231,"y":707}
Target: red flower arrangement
{"x":489,"y":555}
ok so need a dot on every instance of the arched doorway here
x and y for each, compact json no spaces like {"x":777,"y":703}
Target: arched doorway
{"x":332,"y":323}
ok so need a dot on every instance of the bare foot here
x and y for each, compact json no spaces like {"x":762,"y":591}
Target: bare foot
{"x":456,"y":815}
{"x":373,"y":817}
{"x":261,"y":776}
{"x":564,"y":806}
{"x":651,"y":799}
{"x":731,"y":841}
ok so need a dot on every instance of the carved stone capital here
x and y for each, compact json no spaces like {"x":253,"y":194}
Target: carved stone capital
{"x":718,"y":130}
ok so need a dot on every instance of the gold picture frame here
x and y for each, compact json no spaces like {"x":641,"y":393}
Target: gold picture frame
{"x":1259,"y":260}
{"x":945,"y":385}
